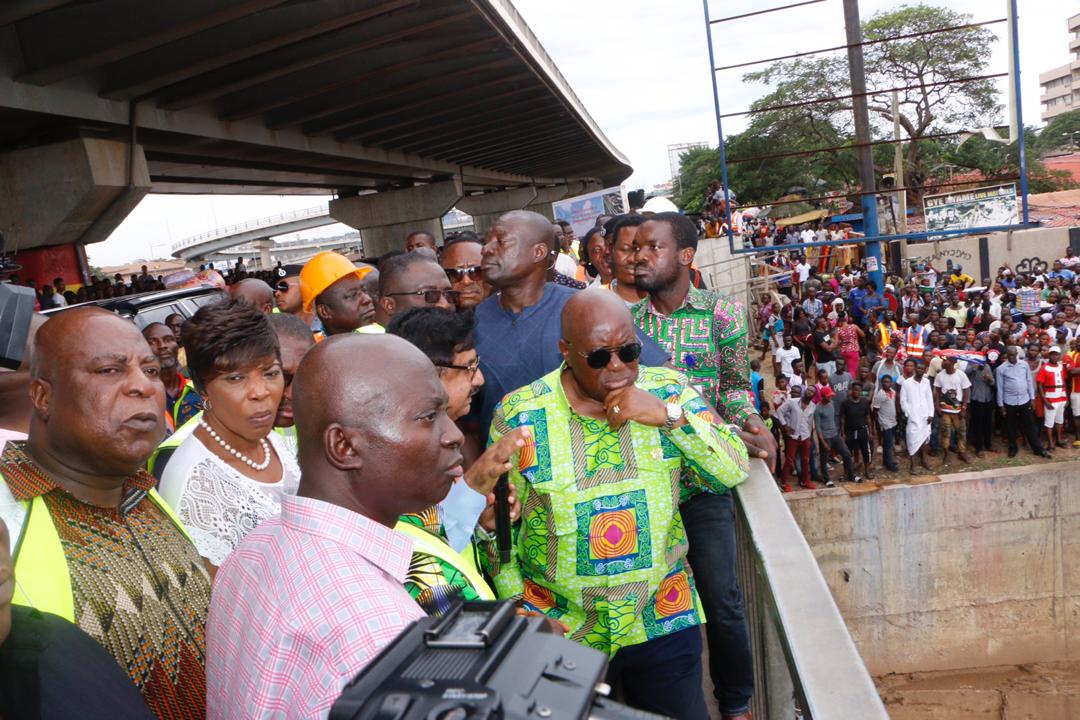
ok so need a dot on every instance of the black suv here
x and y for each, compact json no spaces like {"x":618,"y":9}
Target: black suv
{"x":152,"y":307}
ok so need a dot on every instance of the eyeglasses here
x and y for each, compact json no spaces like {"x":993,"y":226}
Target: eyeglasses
{"x":600,"y":357}
{"x":282,"y":287}
{"x":471,"y":368}
{"x":457,"y":274}
{"x":432,"y":296}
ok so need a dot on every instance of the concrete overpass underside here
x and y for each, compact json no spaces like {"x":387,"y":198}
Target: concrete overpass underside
{"x":103,"y":102}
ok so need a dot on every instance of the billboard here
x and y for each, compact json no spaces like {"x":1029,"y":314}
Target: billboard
{"x":581,"y":211}
{"x":980,"y":207}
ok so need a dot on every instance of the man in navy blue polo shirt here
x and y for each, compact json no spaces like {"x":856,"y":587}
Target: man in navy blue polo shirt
{"x":517,"y":328}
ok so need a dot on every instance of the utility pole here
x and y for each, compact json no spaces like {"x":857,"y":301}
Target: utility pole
{"x":901,"y":194}
{"x":863,"y":152}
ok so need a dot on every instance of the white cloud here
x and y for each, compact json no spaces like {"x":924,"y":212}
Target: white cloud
{"x":641,"y":69}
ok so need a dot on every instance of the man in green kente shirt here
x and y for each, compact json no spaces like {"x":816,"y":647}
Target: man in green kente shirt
{"x":601,"y":543}
{"x":705,"y":333}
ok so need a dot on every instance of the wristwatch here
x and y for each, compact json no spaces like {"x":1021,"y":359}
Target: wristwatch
{"x":674,"y":415}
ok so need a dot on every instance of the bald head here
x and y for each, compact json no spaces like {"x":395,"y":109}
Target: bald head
{"x":534,"y":226}
{"x":331,"y":387}
{"x":98,"y":402}
{"x":374,"y":437}
{"x":591,"y":307}
{"x":517,"y":249}
{"x":255,"y":293}
{"x":597,"y":323}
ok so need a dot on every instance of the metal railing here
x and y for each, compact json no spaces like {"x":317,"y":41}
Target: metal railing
{"x":805,"y":663}
{"x":263,"y":222}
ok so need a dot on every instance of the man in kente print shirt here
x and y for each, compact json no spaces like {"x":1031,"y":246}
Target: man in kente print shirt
{"x":601,"y":543}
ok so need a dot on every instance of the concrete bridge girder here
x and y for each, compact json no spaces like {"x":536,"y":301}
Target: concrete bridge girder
{"x":385,"y":219}
{"x":72,"y":192}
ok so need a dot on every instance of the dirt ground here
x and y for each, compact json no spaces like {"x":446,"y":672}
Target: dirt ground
{"x":1041,"y":691}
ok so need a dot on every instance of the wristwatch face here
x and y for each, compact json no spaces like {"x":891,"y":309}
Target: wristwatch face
{"x":674,"y":413}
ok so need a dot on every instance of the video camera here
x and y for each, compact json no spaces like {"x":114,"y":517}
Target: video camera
{"x":482,"y":661}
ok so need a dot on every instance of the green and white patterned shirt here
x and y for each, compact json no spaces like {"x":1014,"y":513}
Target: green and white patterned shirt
{"x":601,"y":543}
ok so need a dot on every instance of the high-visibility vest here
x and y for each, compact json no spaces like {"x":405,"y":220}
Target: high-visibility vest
{"x":184,"y":392}
{"x":168,"y":446}
{"x":42,"y":577}
{"x":914,"y":342}
{"x":884,"y":333}
{"x":465,"y":563}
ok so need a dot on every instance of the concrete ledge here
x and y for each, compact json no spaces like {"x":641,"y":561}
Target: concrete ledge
{"x":975,"y":570}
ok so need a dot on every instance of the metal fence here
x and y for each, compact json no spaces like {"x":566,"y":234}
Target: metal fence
{"x":805,"y":663}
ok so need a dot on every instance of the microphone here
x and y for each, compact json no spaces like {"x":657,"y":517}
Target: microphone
{"x":502,"y":518}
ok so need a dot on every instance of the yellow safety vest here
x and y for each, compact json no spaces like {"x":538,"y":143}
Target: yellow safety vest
{"x":425,"y":542}
{"x":885,"y":333}
{"x":188,"y":389}
{"x":42,"y":578}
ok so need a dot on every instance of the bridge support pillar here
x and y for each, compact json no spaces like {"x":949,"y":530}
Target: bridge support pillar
{"x":384,"y":219}
{"x":72,"y":192}
{"x":486,"y":209}
{"x":264,"y":246}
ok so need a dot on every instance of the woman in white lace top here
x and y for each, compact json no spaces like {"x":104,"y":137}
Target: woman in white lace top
{"x":230,"y":474}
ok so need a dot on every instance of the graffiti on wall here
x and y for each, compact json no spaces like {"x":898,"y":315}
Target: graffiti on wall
{"x":1032,"y":266}
{"x":947,"y":254}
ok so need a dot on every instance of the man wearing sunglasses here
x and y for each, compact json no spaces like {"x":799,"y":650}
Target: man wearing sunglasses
{"x":411,"y":280}
{"x":461,"y":261}
{"x":601,"y":546}
{"x":287,"y":295}
{"x":706,"y":334}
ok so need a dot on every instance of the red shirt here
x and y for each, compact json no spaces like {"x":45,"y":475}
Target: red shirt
{"x":1070,"y":361}
{"x":1052,"y":379}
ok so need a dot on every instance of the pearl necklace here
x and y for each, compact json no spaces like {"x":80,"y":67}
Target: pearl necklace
{"x":236,"y":453}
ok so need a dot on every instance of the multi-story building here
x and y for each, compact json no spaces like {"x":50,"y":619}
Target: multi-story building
{"x":675,"y":151}
{"x":1061,"y":86}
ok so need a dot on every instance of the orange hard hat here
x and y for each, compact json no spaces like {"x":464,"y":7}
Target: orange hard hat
{"x":322,"y":271}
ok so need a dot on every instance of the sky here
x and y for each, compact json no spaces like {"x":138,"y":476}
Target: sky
{"x":641,"y":68}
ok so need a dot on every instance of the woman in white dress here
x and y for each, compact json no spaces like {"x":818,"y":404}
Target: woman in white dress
{"x":230,"y":474}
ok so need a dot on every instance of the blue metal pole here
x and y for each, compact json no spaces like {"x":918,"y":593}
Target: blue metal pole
{"x":719,"y":129}
{"x":863,"y":153}
{"x":1019,"y":107}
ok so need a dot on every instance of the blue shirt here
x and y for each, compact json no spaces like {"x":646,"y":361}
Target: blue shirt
{"x":1015,"y":385}
{"x":516,"y":349}
{"x":855,"y":298}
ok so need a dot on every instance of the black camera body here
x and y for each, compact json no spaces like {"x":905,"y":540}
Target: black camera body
{"x":481,"y":661}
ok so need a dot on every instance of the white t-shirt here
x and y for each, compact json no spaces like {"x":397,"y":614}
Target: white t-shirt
{"x":218,"y":505}
{"x":957,"y":382}
{"x":807,"y":235}
{"x":566,"y":265}
{"x":785,"y":357}
{"x":804,"y":271}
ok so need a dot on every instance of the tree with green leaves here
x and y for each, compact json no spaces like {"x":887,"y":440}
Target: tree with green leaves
{"x":1061,"y":133}
{"x":937,"y":73}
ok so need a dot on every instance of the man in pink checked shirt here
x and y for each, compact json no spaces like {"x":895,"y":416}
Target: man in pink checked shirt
{"x":309,"y":598}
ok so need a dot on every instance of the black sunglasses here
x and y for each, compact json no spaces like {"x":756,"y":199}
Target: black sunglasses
{"x":432,"y":296}
{"x":282,"y":287}
{"x":600,"y":357}
{"x":457,"y":274}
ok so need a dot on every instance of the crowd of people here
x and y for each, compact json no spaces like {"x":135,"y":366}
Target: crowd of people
{"x":229,"y":515}
{"x":933,"y":364}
